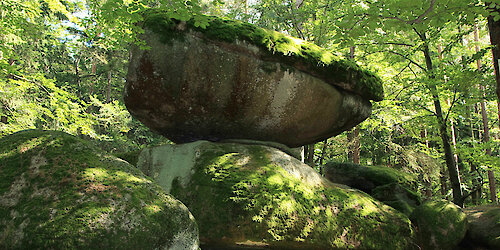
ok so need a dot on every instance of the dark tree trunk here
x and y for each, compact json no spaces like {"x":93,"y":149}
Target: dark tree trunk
{"x":443,"y":131}
{"x":309,"y":154}
{"x":494,"y":28}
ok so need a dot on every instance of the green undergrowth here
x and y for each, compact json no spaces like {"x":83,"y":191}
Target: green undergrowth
{"x":239,"y":194}
{"x":59,"y":192}
{"x":276,"y":46}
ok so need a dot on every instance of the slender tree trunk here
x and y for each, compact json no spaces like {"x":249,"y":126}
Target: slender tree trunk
{"x":93,"y":72}
{"x":309,"y":155}
{"x":108,"y":91}
{"x":322,"y":159}
{"x":443,"y":131}
{"x":486,"y":129}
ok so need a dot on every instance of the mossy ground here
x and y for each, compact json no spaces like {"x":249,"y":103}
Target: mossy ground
{"x":58,"y":192}
{"x":238,"y":194}
{"x":279,"y":47}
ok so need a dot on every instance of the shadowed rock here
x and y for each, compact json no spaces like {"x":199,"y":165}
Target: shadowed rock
{"x":235,"y":81}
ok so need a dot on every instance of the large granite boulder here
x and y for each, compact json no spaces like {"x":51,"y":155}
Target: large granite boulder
{"x":391,"y":186}
{"x":58,"y":192}
{"x":439,"y":225}
{"x":233,"y":80}
{"x":484,"y":226}
{"x":257,"y":196}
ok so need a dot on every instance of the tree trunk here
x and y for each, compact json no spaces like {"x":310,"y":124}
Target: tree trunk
{"x":93,"y":72}
{"x":108,"y":91}
{"x":353,"y":137}
{"x":494,"y":28}
{"x":322,"y":159}
{"x":486,"y":129}
{"x":309,"y":154}
{"x":443,"y":132}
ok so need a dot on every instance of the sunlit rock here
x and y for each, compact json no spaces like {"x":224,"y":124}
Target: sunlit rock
{"x":257,"y":196}
{"x":58,"y":192}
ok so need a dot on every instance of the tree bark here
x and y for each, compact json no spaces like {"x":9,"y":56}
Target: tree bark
{"x":443,"y":130}
{"x":494,"y":28}
{"x":486,"y":129}
{"x":309,"y":154}
{"x":108,"y":91}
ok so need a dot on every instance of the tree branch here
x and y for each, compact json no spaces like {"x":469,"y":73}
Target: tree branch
{"x":407,"y":58}
{"x":419,"y":19}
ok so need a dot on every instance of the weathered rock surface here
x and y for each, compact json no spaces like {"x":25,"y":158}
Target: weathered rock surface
{"x":439,"y":225}
{"x":58,"y":192}
{"x":393,"y":187}
{"x":484,"y":226}
{"x":235,"y":81}
{"x":258,"y":196}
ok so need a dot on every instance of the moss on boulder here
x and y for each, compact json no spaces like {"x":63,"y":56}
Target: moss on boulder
{"x":367,"y":178}
{"x":391,"y":186}
{"x":59,"y":192}
{"x":299,"y":54}
{"x":439,"y":224}
{"x":253,"y":195}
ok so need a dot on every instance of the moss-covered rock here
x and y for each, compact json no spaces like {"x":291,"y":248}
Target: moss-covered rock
{"x":259,"y":196}
{"x":439,"y":225}
{"x":484,"y":226}
{"x":276,"y":46}
{"x":391,"y":186}
{"x":59,"y":192}
{"x":367,"y":178}
{"x":397,"y":196}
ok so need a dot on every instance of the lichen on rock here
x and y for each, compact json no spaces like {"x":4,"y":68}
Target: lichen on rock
{"x":241,"y":195}
{"x":59,"y":192}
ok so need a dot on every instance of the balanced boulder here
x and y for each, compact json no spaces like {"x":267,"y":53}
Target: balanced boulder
{"x":233,"y":80}
{"x":257,"y":196}
{"x":59,"y":192}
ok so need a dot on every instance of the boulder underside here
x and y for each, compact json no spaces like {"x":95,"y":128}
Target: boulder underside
{"x":195,"y":88}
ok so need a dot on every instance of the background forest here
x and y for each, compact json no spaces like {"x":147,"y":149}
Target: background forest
{"x":63,"y":65}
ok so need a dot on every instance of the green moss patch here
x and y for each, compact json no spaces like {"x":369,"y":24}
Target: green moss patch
{"x":276,"y":46}
{"x":59,"y":192}
{"x":237,"y":194}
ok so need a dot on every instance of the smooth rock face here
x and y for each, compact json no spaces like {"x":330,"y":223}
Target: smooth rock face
{"x":58,"y":192}
{"x":199,"y":89}
{"x":257,"y":196}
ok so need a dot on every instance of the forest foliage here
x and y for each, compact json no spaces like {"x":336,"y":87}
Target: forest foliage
{"x":63,"y":65}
